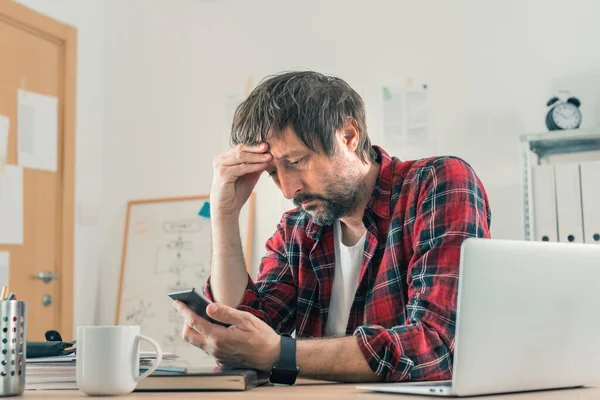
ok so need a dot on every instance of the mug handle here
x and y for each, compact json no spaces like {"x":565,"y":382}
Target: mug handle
{"x":159,"y":356}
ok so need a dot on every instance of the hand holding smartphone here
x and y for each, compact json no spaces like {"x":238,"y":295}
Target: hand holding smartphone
{"x":196,"y":301}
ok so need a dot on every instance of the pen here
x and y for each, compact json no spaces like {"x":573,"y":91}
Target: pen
{"x":11,"y":296}
{"x":4,"y":290}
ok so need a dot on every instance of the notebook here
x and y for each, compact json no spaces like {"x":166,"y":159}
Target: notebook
{"x":181,"y":378}
{"x":68,"y":358}
{"x":59,"y":372}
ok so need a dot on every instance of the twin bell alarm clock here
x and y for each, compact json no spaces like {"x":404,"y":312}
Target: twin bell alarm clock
{"x":563,"y":114}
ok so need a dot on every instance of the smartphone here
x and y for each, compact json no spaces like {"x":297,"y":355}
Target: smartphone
{"x":196,"y":301}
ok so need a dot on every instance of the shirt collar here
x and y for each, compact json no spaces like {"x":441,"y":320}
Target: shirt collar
{"x":380,"y":202}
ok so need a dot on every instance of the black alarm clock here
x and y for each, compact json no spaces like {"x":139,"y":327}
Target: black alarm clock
{"x":563,"y":115}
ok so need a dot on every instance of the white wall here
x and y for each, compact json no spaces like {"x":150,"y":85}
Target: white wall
{"x":88,"y":18}
{"x":491,"y":66}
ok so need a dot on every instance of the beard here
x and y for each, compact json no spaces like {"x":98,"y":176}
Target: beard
{"x":339,"y":199}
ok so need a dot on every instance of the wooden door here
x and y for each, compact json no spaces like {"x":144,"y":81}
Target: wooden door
{"x":37,"y":54}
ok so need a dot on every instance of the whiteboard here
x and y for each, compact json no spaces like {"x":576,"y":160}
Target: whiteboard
{"x":167,"y":246}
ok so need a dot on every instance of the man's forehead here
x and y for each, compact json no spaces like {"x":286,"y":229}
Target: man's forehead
{"x":286,"y":145}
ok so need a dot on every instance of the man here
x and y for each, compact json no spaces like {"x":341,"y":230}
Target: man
{"x":364,"y":270}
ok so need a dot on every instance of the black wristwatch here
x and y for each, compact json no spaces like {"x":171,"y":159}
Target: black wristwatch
{"x":286,"y":370}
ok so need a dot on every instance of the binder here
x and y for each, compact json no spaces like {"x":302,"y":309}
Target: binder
{"x":568,"y":203}
{"x":590,"y":200}
{"x":544,"y":203}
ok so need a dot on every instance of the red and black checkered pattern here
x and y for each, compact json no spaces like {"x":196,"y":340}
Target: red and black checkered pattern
{"x":404,"y":312}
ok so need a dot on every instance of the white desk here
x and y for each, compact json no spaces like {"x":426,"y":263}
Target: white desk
{"x":315,"y":390}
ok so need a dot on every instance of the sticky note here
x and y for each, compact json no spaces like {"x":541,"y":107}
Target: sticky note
{"x":386,"y":93}
{"x":205,"y":210}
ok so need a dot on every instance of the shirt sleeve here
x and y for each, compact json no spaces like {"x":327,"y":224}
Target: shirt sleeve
{"x":451,"y":205}
{"x":272,"y":298}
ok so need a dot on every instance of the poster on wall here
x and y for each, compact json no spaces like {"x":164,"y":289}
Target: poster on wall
{"x":4,"y":125}
{"x":37,"y":125}
{"x":11,"y":205}
{"x":4,"y":267}
{"x":407,"y":117}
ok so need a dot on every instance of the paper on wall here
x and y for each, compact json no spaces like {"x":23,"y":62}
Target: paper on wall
{"x":231,"y":104}
{"x":406,"y":117}
{"x":4,"y":267}
{"x":37,"y":125}
{"x":11,"y":205}
{"x":394,"y":130}
{"x":233,"y":101}
{"x":4,"y":126}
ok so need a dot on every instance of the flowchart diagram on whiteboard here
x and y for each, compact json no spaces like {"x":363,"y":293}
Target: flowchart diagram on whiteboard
{"x":167,"y":246}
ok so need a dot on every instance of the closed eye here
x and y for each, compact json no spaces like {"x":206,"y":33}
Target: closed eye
{"x":287,"y":165}
{"x":295,"y":163}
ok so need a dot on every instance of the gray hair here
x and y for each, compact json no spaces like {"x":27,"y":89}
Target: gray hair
{"x":314,"y":105}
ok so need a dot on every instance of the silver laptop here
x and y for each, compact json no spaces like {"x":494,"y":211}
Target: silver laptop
{"x":528,"y":319}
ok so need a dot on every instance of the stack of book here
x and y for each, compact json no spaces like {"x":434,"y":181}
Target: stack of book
{"x":59,"y":373}
{"x":169,"y":376}
{"x":50,"y":373}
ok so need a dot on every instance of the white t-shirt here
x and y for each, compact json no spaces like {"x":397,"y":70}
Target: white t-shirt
{"x":345,"y":282}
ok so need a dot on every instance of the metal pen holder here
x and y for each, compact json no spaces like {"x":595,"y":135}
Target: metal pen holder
{"x":13,"y":336}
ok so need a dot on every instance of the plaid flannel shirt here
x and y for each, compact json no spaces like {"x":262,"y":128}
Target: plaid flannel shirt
{"x":404,"y":311}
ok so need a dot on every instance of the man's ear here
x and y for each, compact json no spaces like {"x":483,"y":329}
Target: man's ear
{"x":348,"y":134}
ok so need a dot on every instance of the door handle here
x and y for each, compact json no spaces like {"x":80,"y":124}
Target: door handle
{"x":46,"y":276}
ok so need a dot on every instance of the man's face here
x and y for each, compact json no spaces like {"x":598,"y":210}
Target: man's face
{"x":326,"y":189}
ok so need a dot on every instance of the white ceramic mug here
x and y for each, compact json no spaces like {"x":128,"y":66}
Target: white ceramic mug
{"x":108,"y":359}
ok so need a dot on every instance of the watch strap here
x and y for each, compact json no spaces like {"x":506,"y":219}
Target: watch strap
{"x":286,"y":370}
{"x":287,"y":355}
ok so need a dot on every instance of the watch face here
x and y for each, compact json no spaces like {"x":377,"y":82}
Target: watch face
{"x":284,"y":375}
{"x":566,"y":116}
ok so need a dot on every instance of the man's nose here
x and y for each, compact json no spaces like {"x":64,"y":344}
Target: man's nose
{"x":289,"y":185}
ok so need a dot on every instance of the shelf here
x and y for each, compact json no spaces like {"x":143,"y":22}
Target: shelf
{"x":536,"y":148}
{"x":562,"y":142}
